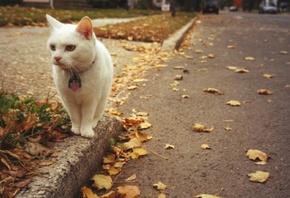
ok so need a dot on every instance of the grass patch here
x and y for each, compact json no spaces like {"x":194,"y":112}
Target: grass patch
{"x":27,"y":129}
{"x":154,"y":28}
{"x":21,"y":16}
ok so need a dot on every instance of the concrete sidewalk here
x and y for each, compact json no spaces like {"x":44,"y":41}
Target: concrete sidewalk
{"x":79,"y":157}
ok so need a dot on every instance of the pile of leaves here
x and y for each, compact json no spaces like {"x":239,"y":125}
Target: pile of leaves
{"x":20,"y":16}
{"x":127,"y":146}
{"x":150,"y":29}
{"x":27,"y":129}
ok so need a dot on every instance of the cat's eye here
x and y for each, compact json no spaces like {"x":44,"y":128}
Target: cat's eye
{"x":70,"y":48}
{"x":52,"y":47}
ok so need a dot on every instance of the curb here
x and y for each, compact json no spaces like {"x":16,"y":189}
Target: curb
{"x":78,"y":159}
{"x":174,"y":41}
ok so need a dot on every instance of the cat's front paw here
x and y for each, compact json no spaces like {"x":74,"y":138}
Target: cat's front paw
{"x":88,"y":133}
{"x":76,"y":130}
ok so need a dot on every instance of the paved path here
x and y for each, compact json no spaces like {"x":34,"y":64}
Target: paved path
{"x":261,"y":122}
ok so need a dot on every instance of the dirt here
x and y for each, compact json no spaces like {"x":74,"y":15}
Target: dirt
{"x":261,"y":122}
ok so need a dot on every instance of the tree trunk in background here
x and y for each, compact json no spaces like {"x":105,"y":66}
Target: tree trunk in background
{"x":172,"y":7}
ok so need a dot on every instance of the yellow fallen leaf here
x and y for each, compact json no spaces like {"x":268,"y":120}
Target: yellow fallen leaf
{"x":113,"y":171}
{"x":210,"y":55}
{"x":145,"y":125}
{"x":133,"y":87}
{"x":178,"y":77}
{"x":140,"y":80}
{"x":102,"y":182}
{"x":109,"y":159}
{"x":111,"y":194}
{"x":231,"y":47}
{"x":178,"y":67}
{"x":162,"y":195}
{"x":198,"y":51}
{"x":114,"y":111}
{"x":203,"y":58}
{"x":141,"y":113}
{"x":241,"y":70}
{"x":264,"y":92}
{"x":131,"y":178}
{"x":249,"y":58}
{"x":213,"y":90}
{"x":201,"y":128}
{"x":205,"y":146}
{"x":228,"y":128}
{"x":205,"y":196}
{"x":254,"y":154}
{"x":174,"y":84}
{"x":160,"y":186}
{"x":88,"y":193}
{"x":268,"y":75}
{"x":184,"y":96}
{"x":283,"y":52}
{"x":128,"y":191}
{"x":227,"y":121}
{"x":189,"y":57}
{"x":232,"y":67}
{"x":169,"y":146}
{"x":259,"y":176}
{"x":134,"y":142}
{"x":233,"y":103}
{"x":137,"y":152}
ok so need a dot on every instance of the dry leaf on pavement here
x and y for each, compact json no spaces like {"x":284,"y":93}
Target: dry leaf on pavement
{"x":137,"y":152}
{"x":249,"y":58}
{"x":259,"y":176}
{"x":162,"y":195}
{"x":227,"y":128}
{"x":268,"y":75}
{"x":201,"y":128}
{"x":205,"y":196}
{"x":233,"y":103}
{"x":232,"y":67}
{"x":88,"y":193}
{"x":255,"y":154}
{"x":169,"y":146}
{"x":210,"y":55}
{"x":241,"y":70}
{"x":131,"y":178}
{"x":160,"y":186}
{"x":178,"y":77}
{"x":213,"y":90}
{"x":205,"y":146}
{"x":264,"y":92}
{"x":102,"y":181}
{"x":128,"y":191}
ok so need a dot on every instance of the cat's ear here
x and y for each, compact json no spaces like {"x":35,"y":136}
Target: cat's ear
{"x":53,"y":23}
{"x":85,"y":28}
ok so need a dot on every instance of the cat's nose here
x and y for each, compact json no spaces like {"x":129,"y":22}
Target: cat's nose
{"x":57,"y":58}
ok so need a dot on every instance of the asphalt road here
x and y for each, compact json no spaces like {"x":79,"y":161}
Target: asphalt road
{"x":261,"y":122}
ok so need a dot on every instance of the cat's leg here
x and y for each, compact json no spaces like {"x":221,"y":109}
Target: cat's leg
{"x":87,"y":120}
{"x":100,"y":108}
{"x":75,"y":116}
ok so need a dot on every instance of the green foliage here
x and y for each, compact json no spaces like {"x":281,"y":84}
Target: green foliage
{"x":22,"y":118}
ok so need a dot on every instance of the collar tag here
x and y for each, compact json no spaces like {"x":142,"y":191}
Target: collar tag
{"x":75,"y":83}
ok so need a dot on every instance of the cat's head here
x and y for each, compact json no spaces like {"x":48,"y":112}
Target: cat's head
{"x":72,"y":47}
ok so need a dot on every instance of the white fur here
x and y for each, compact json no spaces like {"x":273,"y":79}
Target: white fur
{"x":92,"y":61}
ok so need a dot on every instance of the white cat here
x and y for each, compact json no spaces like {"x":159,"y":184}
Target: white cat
{"x":82,"y":72}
